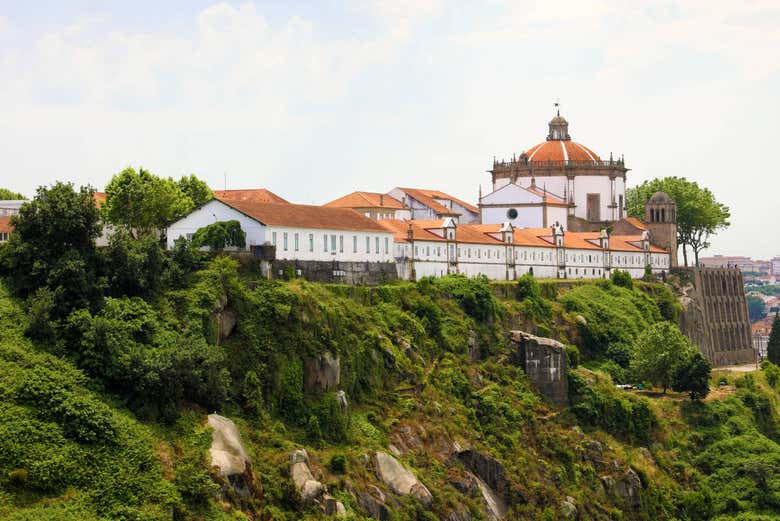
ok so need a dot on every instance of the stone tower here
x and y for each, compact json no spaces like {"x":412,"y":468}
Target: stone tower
{"x":661,"y":222}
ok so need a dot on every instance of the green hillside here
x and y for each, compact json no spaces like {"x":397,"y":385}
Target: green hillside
{"x":104,"y":408}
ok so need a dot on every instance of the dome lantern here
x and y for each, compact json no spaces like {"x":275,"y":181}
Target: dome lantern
{"x":559,"y":127}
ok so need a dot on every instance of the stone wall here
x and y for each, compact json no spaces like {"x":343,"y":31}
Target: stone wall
{"x":544,"y":361}
{"x":356,"y":273}
{"x":715,"y":317}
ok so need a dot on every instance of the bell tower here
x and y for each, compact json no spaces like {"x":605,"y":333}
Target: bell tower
{"x":661,"y":222}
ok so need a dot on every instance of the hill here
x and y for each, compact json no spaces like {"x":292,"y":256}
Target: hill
{"x":104,"y":412}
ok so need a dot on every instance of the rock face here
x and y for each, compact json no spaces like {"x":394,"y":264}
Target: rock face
{"x":322,"y":373}
{"x":399,"y":479}
{"x":490,"y":478}
{"x":308,"y":487}
{"x":230,"y":457}
{"x":373,"y":502}
{"x":628,"y":487}
{"x":569,"y":508}
{"x":544,"y":361}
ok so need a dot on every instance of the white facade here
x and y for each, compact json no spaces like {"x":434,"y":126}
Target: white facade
{"x":210,"y":213}
{"x":521,"y":207}
{"x":292,"y":243}
{"x":10,"y":206}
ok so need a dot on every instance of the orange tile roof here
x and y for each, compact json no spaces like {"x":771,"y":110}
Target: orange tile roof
{"x":427,"y":198}
{"x":554,"y":151}
{"x":366,"y":200}
{"x":633,"y":221}
{"x":623,"y":243}
{"x":305,"y":216}
{"x":5,"y":224}
{"x":257,"y":195}
{"x":99,"y":198}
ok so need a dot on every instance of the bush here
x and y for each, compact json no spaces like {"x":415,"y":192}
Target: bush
{"x":338,"y":464}
{"x":692,"y":375}
{"x":572,"y":356}
{"x":622,"y":279}
{"x":771,"y":372}
{"x":220,"y":235}
{"x":473,"y":295}
{"x":528,"y":288}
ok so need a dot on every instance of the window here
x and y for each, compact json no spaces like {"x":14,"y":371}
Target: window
{"x":341,"y":244}
{"x":273,"y":238}
{"x":311,"y":242}
{"x":376,"y":244}
{"x":427,"y":251}
{"x":296,"y":242}
{"x":416,"y":252}
{"x":333,"y":243}
{"x":354,"y":244}
{"x":285,"y":240}
{"x":325,"y":242}
{"x":189,"y":236}
{"x":368,"y":244}
{"x":511,"y":214}
{"x":387,"y":245}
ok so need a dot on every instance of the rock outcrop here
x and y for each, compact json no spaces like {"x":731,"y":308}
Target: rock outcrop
{"x":322,"y":373}
{"x":399,"y":479}
{"x":628,"y":487}
{"x":308,"y":487}
{"x":230,"y":457}
{"x":544,"y":361}
{"x":226,"y":319}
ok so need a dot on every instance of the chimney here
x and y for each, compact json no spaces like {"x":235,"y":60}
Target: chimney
{"x":381,"y":200}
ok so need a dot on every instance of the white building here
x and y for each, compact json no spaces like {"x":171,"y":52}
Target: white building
{"x":503,"y":252}
{"x":568,"y":175}
{"x":299,"y":232}
{"x":427,"y":204}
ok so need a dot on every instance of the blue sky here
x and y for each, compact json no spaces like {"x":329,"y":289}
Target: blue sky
{"x":315,"y":99}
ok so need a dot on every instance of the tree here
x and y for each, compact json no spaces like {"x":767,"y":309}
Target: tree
{"x":755,"y":308}
{"x":659,"y":350}
{"x":53,"y":245}
{"x":773,"y":346}
{"x":699,"y":214}
{"x":220,"y":235}
{"x":198,"y":191}
{"x":622,"y":279}
{"x":143,"y":203}
{"x":135,"y":267}
{"x":8,"y":195}
{"x":692,"y":375}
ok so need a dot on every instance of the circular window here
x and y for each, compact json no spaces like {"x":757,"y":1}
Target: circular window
{"x":511,"y":213}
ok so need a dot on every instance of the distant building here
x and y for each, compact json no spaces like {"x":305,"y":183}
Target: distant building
{"x":8,"y":208}
{"x":373,"y":205}
{"x":775,"y":265}
{"x":253,"y":195}
{"x":434,"y":204}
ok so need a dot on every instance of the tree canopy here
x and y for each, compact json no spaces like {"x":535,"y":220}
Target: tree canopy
{"x":658,"y":352}
{"x":692,"y":375}
{"x":699,"y":214}
{"x":53,"y":246}
{"x":8,"y":195}
{"x":220,"y":235}
{"x":144,"y":203}
{"x":773,"y":347}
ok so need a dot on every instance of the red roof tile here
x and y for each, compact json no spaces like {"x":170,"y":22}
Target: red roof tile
{"x":427,"y":198}
{"x":305,"y":216}
{"x":5,"y":224}
{"x":560,"y":151}
{"x":257,"y":195}
{"x":366,"y":200}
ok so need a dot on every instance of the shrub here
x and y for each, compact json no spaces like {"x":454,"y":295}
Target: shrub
{"x":771,"y":372}
{"x":473,"y":295}
{"x":622,"y":279}
{"x":572,"y":356}
{"x":338,"y":463}
{"x":528,"y":288}
{"x":332,"y":420}
{"x":220,"y":235}
{"x":692,"y":375}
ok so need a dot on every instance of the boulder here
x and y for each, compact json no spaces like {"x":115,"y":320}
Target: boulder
{"x":373,"y":502}
{"x":230,"y":457}
{"x":322,"y":373}
{"x":333,"y":507}
{"x":342,"y":396}
{"x":399,"y":479}
{"x":569,"y":508}
{"x":495,"y":507}
{"x":226,"y":320}
{"x":459,"y":513}
{"x":488,"y":469}
{"x":629,"y":488}
{"x":544,"y":361}
{"x":308,"y":487}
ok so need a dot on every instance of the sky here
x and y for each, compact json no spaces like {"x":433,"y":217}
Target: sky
{"x":314,"y":99}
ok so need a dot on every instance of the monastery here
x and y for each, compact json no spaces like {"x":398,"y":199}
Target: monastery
{"x":557,"y":210}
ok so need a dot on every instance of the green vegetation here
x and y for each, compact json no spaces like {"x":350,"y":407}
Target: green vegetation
{"x":220,"y":235}
{"x":773,"y":345}
{"x":103,"y":400}
{"x":755,"y":308}
{"x":7,"y":195}
{"x":699,"y":214}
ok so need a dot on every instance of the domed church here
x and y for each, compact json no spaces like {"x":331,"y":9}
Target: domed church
{"x":558,"y":180}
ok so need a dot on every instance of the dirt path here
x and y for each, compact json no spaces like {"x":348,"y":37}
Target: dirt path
{"x":743,"y":368}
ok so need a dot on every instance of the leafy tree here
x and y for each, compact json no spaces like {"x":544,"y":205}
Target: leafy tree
{"x":143,"y":203}
{"x":699,"y":214}
{"x":8,"y":195}
{"x":528,"y":287}
{"x":773,"y":347}
{"x":135,"y":267}
{"x":692,"y":375}
{"x":622,"y":279}
{"x":658,"y":352}
{"x":198,"y":191}
{"x":53,"y":246}
{"x":220,"y":235}
{"x":755,"y":308}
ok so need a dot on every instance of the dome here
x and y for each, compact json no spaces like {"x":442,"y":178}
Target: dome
{"x":561,"y":151}
{"x":660,"y":198}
